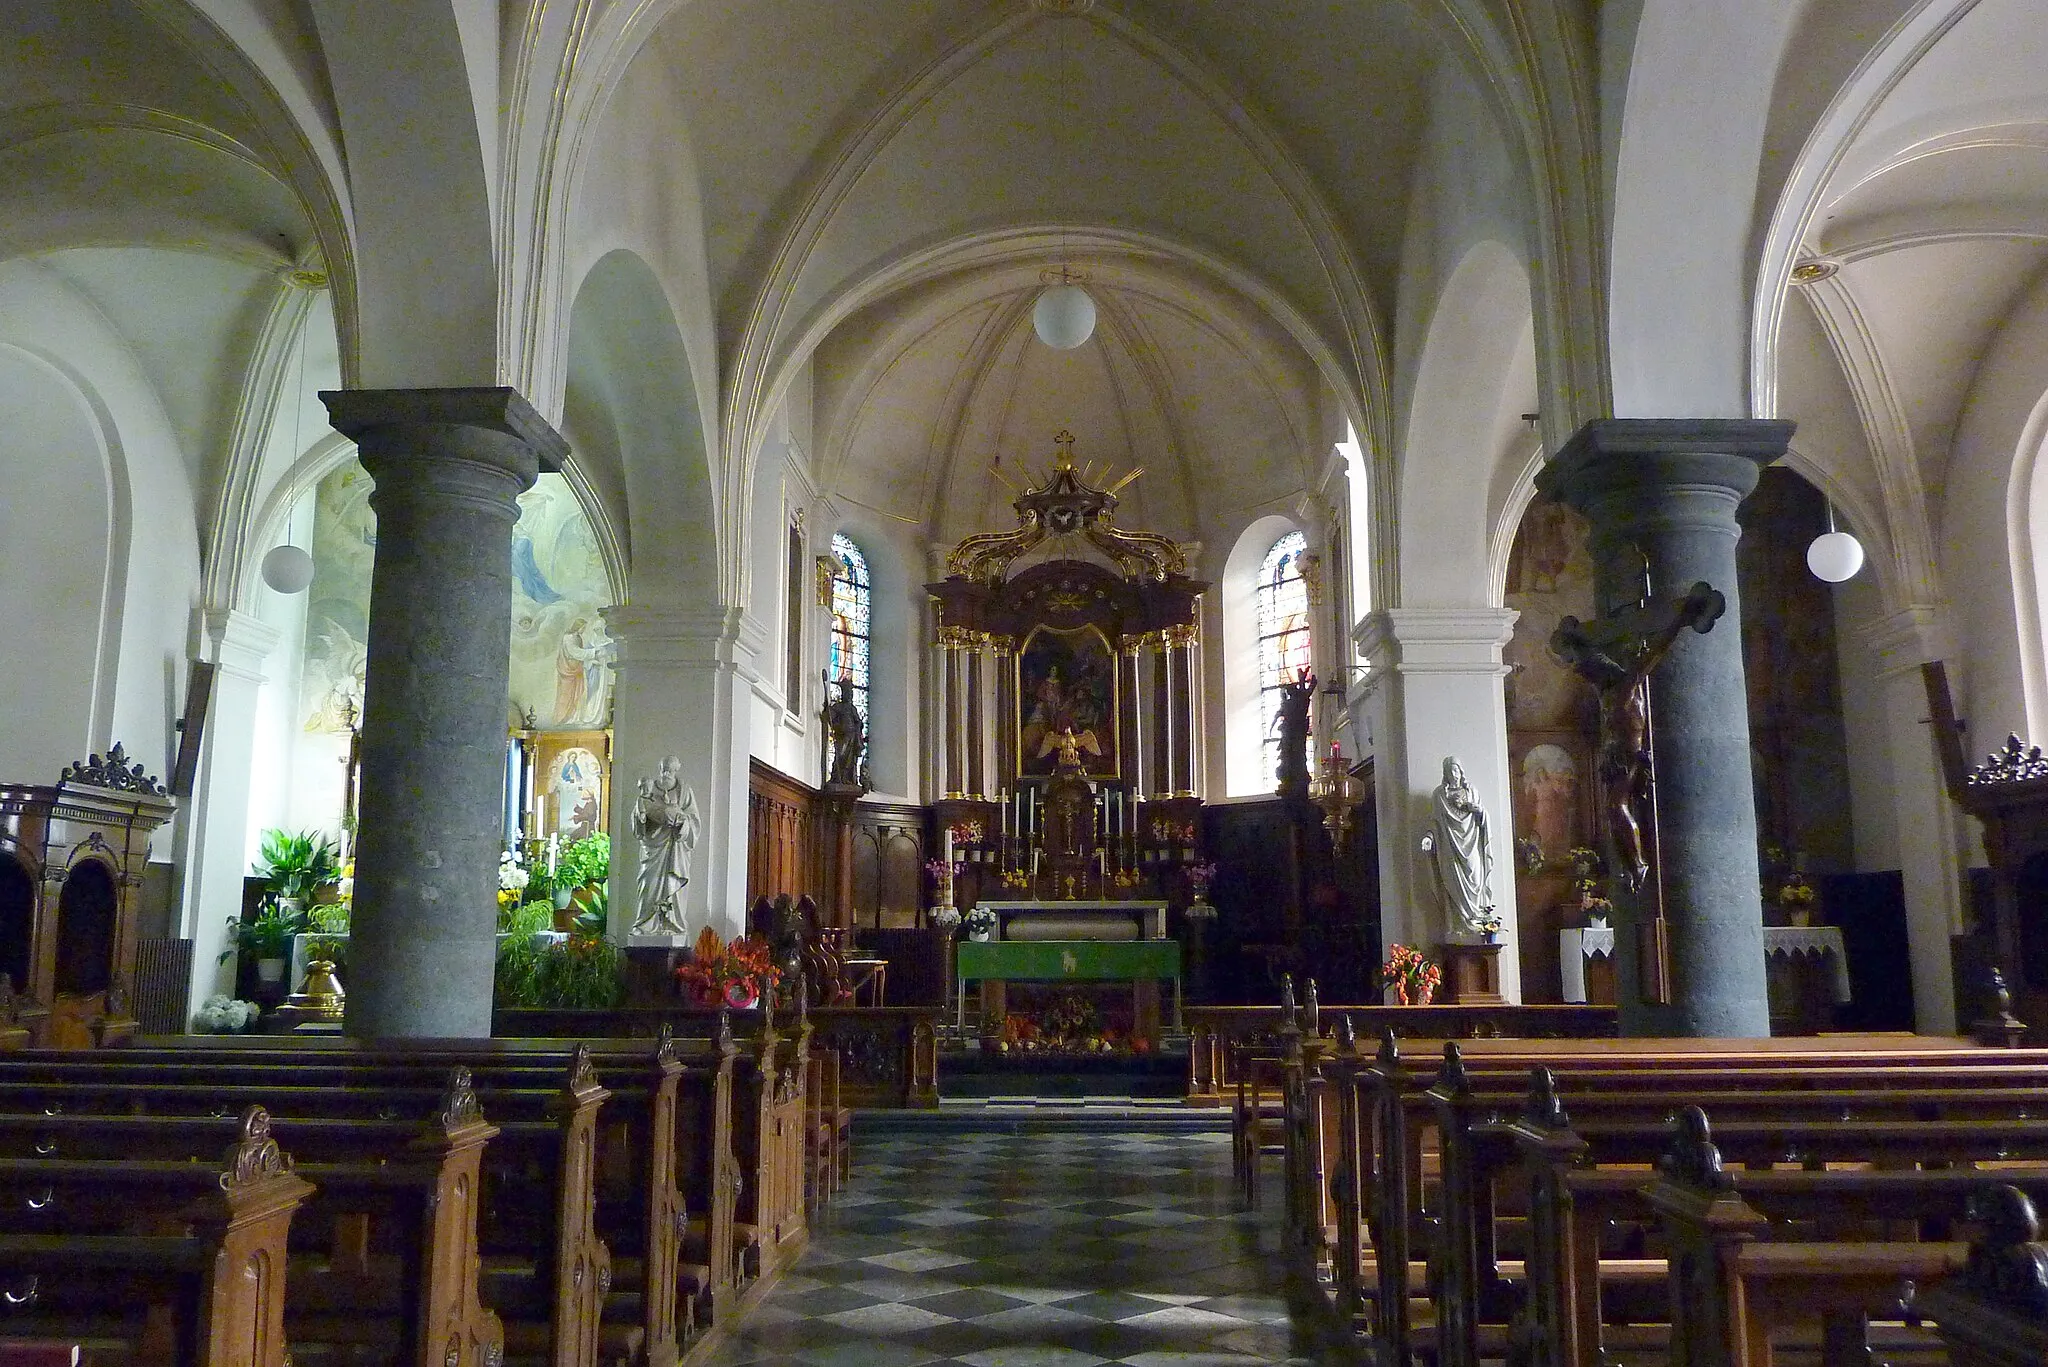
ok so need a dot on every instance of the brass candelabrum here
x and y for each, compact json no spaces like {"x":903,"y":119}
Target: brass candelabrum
{"x":1337,"y":791}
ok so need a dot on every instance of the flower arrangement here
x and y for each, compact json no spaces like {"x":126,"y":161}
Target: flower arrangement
{"x":1200,"y":876}
{"x":1529,"y":854}
{"x":967,"y":831}
{"x":1167,"y":832}
{"x":980,"y":922}
{"x":1587,"y":869}
{"x":1016,"y":880}
{"x":512,"y":877}
{"x":940,"y":872}
{"x":733,"y":973}
{"x":1413,"y":977}
{"x":223,"y":1015}
{"x":1070,"y":1025}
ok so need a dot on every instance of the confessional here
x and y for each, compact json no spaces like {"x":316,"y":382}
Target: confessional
{"x":2008,"y":792}
{"x":71,"y":866}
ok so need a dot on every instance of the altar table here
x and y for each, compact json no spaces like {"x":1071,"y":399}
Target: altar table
{"x":1132,"y":961}
{"x":1132,"y":919}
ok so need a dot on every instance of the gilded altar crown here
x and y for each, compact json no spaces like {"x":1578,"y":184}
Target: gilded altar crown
{"x":1065,"y":504}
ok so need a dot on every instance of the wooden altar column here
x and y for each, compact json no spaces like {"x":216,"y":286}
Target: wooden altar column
{"x":952,"y":643}
{"x":1161,"y":784}
{"x":1004,"y":651}
{"x":1180,"y":654}
{"x":1130,"y":739}
{"x":977,"y":716}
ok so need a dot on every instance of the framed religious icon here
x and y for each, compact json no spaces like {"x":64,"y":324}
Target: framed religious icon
{"x":572,"y":783}
{"x":1066,"y":679}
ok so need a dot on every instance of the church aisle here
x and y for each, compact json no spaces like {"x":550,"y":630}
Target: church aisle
{"x":1044,"y":1250}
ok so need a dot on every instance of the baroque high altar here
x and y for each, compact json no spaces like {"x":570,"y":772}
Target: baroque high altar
{"x":1068,"y":752}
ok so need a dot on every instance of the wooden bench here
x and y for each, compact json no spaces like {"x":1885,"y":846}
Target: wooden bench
{"x":415,"y":1185}
{"x":546,"y":1269}
{"x":1377,"y":1159}
{"x":1995,"y":1312}
{"x":703,"y":1176}
{"x":212,"y":1293}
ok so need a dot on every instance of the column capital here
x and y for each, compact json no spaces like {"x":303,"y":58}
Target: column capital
{"x":1906,"y":639}
{"x":1436,"y":640}
{"x":238,"y":642}
{"x":1611,"y":457}
{"x":366,"y":415}
{"x":707,"y":636}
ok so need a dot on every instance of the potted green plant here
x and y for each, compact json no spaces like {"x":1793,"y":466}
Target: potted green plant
{"x":297,"y":866}
{"x":265,"y":941}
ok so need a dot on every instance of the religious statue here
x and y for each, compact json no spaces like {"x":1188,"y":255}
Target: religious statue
{"x":845,"y":738}
{"x":1460,"y":850}
{"x":1617,"y":656}
{"x":1069,"y":746}
{"x":1295,"y":700}
{"x":665,"y":816}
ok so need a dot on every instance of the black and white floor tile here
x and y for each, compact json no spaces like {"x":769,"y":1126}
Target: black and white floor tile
{"x":1043,"y":1250}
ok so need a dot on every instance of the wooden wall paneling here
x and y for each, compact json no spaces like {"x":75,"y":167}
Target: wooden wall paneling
{"x":888,"y":864}
{"x":783,"y":854}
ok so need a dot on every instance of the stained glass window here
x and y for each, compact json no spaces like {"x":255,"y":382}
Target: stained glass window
{"x":1282,"y":600}
{"x":852,"y":607}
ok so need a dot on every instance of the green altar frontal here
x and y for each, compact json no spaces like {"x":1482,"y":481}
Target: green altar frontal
{"x":1131,"y":961}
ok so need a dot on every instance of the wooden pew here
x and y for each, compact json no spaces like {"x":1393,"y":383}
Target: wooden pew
{"x":1995,"y":1313}
{"x":415,"y":1185}
{"x":1573,"y":1198}
{"x":701,"y":1178}
{"x":1213,"y":1030}
{"x":1377,"y":1167}
{"x":547,"y":1270}
{"x":220,"y":1284}
{"x":831,"y":1125}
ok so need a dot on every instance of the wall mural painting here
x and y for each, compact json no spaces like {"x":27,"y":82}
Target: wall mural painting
{"x":561,"y":669}
{"x":1553,"y":723}
{"x":1066,"y":679}
{"x":338,"y":603}
{"x":562,"y":656}
{"x":561,"y":660}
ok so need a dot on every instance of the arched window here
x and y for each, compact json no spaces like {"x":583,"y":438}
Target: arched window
{"x":852,"y":614}
{"x":1282,"y":601}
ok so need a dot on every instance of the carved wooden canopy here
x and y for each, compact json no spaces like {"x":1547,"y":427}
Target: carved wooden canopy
{"x":1063,"y":505}
{"x":1148,"y":592}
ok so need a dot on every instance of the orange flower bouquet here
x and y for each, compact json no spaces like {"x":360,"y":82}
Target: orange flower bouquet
{"x":732,"y":974}
{"x":1414,"y":978}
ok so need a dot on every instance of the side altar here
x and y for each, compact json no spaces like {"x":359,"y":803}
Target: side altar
{"x":1069,"y":745}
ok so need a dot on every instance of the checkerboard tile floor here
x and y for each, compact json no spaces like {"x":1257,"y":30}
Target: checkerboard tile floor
{"x":1048,"y":1250}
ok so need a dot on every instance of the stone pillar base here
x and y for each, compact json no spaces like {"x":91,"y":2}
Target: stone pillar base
{"x":1471,"y":974}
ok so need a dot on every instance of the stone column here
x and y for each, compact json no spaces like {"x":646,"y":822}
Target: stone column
{"x":449,"y":465}
{"x":1435,"y":686}
{"x":1929,"y":823}
{"x":1661,"y":495}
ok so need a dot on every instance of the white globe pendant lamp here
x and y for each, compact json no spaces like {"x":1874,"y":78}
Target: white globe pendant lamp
{"x":1064,"y":316}
{"x":1834,"y":556}
{"x":288,"y":569}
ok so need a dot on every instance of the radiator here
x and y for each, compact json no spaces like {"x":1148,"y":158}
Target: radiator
{"x":163,"y":982}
